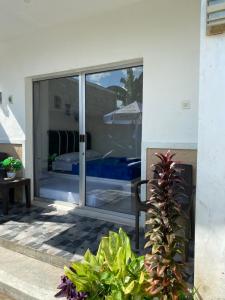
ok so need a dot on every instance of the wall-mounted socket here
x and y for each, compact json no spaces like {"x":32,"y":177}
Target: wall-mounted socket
{"x":10,"y":99}
{"x":0,"y":98}
{"x":186,"y":104}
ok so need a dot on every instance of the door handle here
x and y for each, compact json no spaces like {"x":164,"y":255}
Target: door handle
{"x":82,"y":138}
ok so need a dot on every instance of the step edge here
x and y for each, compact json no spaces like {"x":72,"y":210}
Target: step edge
{"x":50,"y":259}
{"x":15,"y":293}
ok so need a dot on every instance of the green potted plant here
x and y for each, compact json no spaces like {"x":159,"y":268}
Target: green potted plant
{"x":11,"y":165}
{"x":115,"y":272}
{"x":51,"y":158}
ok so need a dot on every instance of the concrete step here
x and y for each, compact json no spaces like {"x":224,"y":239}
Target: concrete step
{"x":54,"y":260}
{"x":25,"y":278}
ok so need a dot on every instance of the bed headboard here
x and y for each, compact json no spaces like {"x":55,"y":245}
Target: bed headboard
{"x":65,"y":141}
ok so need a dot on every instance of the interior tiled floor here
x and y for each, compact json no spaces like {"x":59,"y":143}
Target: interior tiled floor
{"x":105,"y":194}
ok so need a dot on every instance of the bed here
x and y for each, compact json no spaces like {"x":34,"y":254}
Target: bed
{"x":65,"y":141}
{"x":66,"y":161}
{"x":121,"y":168}
{"x":65,"y":145}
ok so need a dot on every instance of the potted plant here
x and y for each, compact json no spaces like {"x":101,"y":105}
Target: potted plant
{"x":11,"y":165}
{"x":166,"y":243}
{"x":51,"y":158}
{"x":115,"y":272}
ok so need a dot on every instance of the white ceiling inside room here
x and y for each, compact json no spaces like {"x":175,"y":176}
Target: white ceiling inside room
{"x":19,"y":17}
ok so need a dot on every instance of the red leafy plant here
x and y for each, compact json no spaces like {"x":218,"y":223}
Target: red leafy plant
{"x":163,"y":261}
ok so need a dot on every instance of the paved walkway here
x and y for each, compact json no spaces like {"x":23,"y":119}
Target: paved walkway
{"x":57,"y":233}
{"x":57,"y":237}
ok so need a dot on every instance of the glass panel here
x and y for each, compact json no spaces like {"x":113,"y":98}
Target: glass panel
{"x":113,"y":125}
{"x":56,"y":139}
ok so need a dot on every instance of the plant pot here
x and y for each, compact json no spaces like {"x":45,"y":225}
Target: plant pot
{"x":11,"y":175}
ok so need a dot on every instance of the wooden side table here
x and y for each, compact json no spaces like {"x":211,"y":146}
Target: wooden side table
{"x":7,"y":188}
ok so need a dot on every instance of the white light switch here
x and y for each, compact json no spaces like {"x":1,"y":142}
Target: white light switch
{"x":186,"y":104}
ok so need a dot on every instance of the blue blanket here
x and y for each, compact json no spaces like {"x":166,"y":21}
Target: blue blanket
{"x":121,"y":168}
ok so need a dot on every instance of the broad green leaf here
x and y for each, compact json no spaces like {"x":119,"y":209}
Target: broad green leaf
{"x":142,"y":277}
{"x":114,"y":273}
{"x":129,"y":288}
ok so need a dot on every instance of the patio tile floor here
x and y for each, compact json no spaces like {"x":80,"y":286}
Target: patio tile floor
{"x":54,"y":232}
{"x":61,"y":235}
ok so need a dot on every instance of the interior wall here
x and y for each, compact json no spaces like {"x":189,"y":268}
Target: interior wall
{"x":210,"y":210}
{"x":67,"y":89}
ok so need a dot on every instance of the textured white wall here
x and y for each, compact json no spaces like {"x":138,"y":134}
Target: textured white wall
{"x":163,"y":33}
{"x":210,"y":211}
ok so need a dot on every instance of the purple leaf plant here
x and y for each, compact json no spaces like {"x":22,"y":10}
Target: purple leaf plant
{"x":68,"y":290}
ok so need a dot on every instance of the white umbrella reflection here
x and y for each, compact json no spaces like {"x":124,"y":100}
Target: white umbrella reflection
{"x":128,"y":115}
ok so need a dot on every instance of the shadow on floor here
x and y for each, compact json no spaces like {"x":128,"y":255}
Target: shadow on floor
{"x":57,"y":233}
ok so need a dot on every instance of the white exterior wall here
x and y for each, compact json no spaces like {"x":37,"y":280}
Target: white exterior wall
{"x":164,"y":33}
{"x":210,"y":211}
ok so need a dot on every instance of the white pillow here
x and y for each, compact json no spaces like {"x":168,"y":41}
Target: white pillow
{"x":68,"y":157}
{"x":74,"y":156}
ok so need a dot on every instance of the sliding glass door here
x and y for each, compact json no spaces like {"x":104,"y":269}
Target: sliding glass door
{"x":87,"y":138}
{"x":56,"y":138}
{"x":113,"y":149}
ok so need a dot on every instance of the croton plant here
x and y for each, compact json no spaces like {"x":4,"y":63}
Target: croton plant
{"x":165,"y":241}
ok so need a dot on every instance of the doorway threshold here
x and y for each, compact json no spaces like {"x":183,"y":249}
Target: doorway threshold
{"x":85,"y":211}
